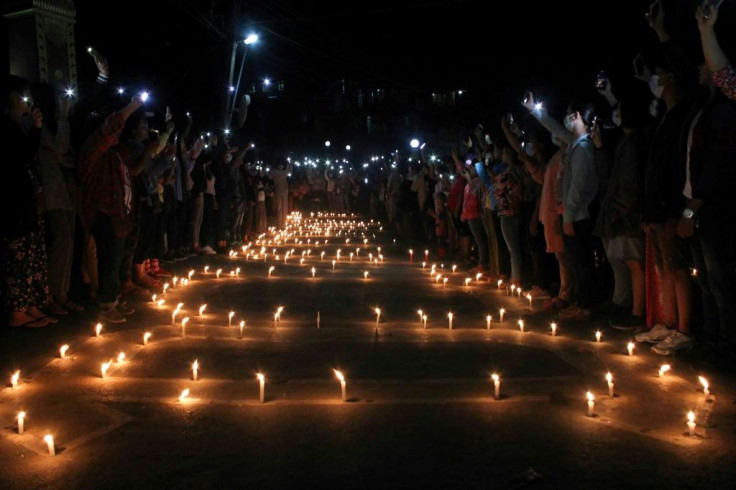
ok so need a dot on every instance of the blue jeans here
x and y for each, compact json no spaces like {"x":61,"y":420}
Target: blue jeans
{"x":511,"y":229}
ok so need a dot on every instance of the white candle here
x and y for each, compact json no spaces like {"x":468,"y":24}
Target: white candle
{"x":691,"y":423}
{"x":50,"y":444}
{"x":262,"y":382}
{"x":378,"y":316}
{"x":237,"y":271}
{"x":449,"y":318}
{"x":342,"y":384}
{"x":521,"y":326}
{"x":467,"y":281}
{"x":496,"y":385}
{"x":104,"y":367}
{"x":609,"y":380}
{"x":191,"y":273}
{"x":21,"y":423}
{"x":202,"y":308}
{"x":598,"y":335}
{"x":553,"y":326}
{"x":529,"y":297}
{"x":184,"y":395}
{"x":146,"y":336}
{"x":195,"y":370}
{"x":663,"y":369}
{"x":98,"y":329}
{"x":313,"y":272}
{"x":501,"y":313}
{"x":121,"y":358}
{"x":424,"y":265}
{"x":591,"y":403}
{"x":365,"y":274}
{"x":411,"y":256}
{"x":14,"y":379}
{"x":270,"y":270}
{"x":706,"y":386}
{"x":318,"y":318}
{"x":242,"y":325}
{"x":333,"y":265}
{"x":166,"y":286}
{"x":454,"y":268}
{"x":184,"y":326}
{"x":62,"y":351}
{"x":322,"y":256}
{"x":351,"y":256}
{"x":206,"y":268}
{"x":424,"y":319}
{"x":444,"y":282}
{"x":488,"y":322}
{"x":630,"y":348}
{"x":218,"y":273}
{"x":500,"y":283}
{"x":230,"y":318}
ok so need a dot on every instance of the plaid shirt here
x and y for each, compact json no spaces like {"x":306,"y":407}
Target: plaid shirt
{"x":104,"y":178}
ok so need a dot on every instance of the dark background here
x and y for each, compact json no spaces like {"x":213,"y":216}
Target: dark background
{"x":493,"y":51}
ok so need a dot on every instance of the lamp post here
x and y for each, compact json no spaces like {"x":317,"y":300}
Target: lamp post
{"x":232,"y":94}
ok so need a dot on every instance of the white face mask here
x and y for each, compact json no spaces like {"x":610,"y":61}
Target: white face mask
{"x":654,"y":86}
{"x":570,"y":122}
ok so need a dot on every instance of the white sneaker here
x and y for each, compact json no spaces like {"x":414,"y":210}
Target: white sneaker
{"x":206,"y":250}
{"x":657,"y":334}
{"x":676,"y":341}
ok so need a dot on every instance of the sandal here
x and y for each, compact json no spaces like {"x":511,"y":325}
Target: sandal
{"x":55,"y":308}
{"x":49,"y":319}
{"x":72,"y":306}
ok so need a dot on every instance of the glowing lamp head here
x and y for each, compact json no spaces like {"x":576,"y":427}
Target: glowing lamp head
{"x":414,"y":143}
{"x":251,"y":39}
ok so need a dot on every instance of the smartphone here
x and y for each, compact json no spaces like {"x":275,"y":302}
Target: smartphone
{"x":639,"y":65}
{"x":510,"y":118}
{"x":709,"y":5}
{"x":527,"y":94}
{"x":600,"y":80}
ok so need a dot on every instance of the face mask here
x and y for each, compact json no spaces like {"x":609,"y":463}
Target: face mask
{"x":569,"y":122}
{"x":654,"y":86}
{"x":529,"y":149}
{"x":616,"y":118}
{"x":654,"y":108}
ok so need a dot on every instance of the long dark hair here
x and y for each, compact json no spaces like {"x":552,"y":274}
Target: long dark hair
{"x":10,"y":84}
{"x":44,"y":98}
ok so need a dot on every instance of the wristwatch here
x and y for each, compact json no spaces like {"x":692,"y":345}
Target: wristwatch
{"x":688,"y":213}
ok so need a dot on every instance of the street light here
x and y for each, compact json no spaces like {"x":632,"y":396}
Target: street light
{"x":252,"y":38}
{"x":348,"y":147}
{"x":266,"y":82}
{"x":327,"y":143}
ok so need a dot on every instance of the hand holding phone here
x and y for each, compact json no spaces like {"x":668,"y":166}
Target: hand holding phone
{"x":710,"y":7}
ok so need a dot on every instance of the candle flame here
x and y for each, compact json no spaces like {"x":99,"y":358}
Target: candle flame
{"x":22,"y":416}
{"x":14,"y":378}
{"x":184,"y":321}
{"x":154,"y":298}
{"x":260,"y":377}
{"x":704,"y":382}
{"x":590,"y":396}
{"x":664,"y":368}
{"x":631,"y":346}
{"x":691,"y":416}
{"x":191,"y":273}
{"x":184,"y":395}
{"x":161,"y":302}
{"x":450,"y":315}
{"x":195,"y":365}
{"x":63,"y":350}
{"x":202,"y":308}
{"x":242,"y":323}
{"x":231,"y":315}
{"x":98,"y":329}
{"x":121,"y":357}
{"x":104,"y":367}
{"x":598,"y":335}
{"x":146,"y":336}
{"x":495,"y":377}
{"x":339,"y":375}
{"x":206,"y":268}
{"x":553,"y":326}
{"x":609,"y":377}
{"x":49,"y":439}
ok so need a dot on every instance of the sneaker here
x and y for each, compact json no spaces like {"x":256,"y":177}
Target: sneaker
{"x":657,"y":334}
{"x":674,"y":342}
{"x":123,"y":308}
{"x":111,"y":315}
{"x":574,"y":313}
{"x":206,"y":250}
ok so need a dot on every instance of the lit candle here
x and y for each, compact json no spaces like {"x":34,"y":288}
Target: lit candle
{"x":478,"y":276}
{"x":322,"y":256}
{"x":467,"y":281}
{"x":62,"y":351}
{"x":706,"y":386}
{"x":444,"y":282}
{"x":237,"y":271}
{"x":521,"y":325}
{"x":424,"y":265}
{"x":420,"y":313}
{"x":553,"y":326}
{"x":518,"y":291}
{"x":184,"y":322}
{"x":609,"y":380}
{"x":270,"y":270}
{"x":513,"y":288}
{"x":195,"y":370}
{"x":301,"y":261}
{"x":314,"y":271}
{"x":262,"y":382}
{"x":501,"y":313}
{"x":318,"y":319}
{"x":98,"y":329}
{"x":437,"y":278}
{"x":630,"y":348}
{"x":242,"y":325}
{"x":230,"y":318}
{"x":153,"y":298}
{"x":184,"y":395}
{"x":202,"y":308}
{"x":333,"y":265}
{"x":166,"y":286}
{"x":191,"y":273}
{"x":500,"y":283}
{"x":104,"y":367}
{"x":146,"y":336}
{"x":160,"y":303}
{"x":206,"y":268}
{"x":342,"y":383}
{"x":591,"y":403}
{"x":424,"y":319}
{"x":426,"y":255}
{"x":691,"y":423}
{"x":14,"y":379}
{"x":218,"y":273}
{"x":21,"y":423}
{"x":173,"y":316}
{"x":351,"y":256}
{"x":49,"y":439}
{"x":365,"y":274}
{"x":529,"y":297}
{"x":496,"y":385}
{"x":598,"y":335}
{"x":411,"y":256}
{"x":488,"y":322}
{"x":663,"y":369}
{"x":454,"y":268}
{"x":378,"y":316}
{"x":121,"y":358}
{"x":449,"y":318}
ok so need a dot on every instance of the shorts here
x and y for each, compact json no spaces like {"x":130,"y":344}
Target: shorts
{"x":624,"y":248}
{"x":670,"y":253}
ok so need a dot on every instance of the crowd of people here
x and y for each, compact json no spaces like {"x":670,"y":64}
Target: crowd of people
{"x":637,"y":192}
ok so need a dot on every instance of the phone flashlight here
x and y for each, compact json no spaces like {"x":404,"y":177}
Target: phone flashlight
{"x":70,"y":92}
{"x":144,"y":96}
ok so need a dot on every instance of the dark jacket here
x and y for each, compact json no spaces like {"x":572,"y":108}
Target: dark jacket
{"x":20,"y":213}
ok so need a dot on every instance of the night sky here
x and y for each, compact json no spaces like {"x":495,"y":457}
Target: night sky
{"x":495,"y":50}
